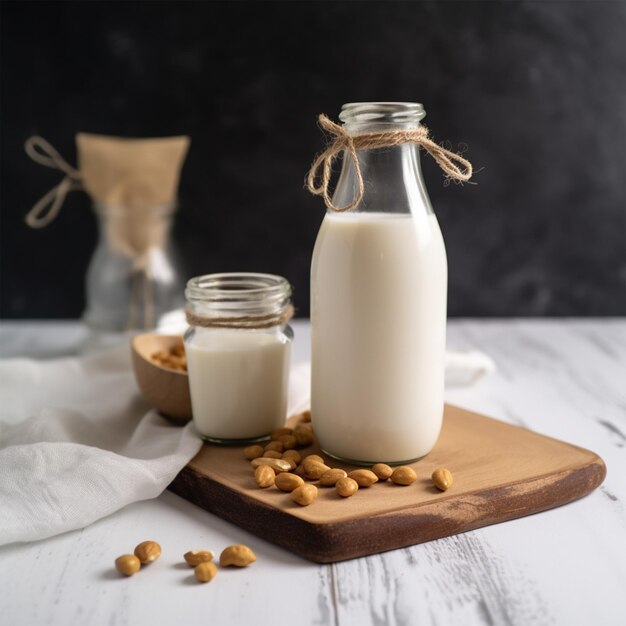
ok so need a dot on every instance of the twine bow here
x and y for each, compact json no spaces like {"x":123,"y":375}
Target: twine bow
{"x":318,"y":179}
{"x":42,"y":152}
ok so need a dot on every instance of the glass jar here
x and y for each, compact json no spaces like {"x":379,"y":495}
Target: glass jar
{"x":133,"y":278}
{"x":378,"y":303}
{"x":238,"y":348}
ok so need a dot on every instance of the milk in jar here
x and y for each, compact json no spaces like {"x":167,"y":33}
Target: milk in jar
{"x":378,"y":304}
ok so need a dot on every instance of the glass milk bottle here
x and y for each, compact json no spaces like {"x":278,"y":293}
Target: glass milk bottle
{"x":378,"y":298}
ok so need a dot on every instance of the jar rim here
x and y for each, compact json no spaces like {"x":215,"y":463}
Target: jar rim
{"x":382,"y":112}
{"x":239,"y":292}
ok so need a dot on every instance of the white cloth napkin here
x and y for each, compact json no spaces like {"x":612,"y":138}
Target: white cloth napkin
{"x":77,"y":442}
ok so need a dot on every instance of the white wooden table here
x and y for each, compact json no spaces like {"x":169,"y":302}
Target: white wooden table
{"x":564,"y":378}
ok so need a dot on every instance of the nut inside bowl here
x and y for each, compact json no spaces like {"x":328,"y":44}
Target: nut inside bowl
{"x":164,"y":388}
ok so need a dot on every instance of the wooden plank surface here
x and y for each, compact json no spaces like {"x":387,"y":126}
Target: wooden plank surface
{"x":564,"y":378}
{"x":501,"y":472}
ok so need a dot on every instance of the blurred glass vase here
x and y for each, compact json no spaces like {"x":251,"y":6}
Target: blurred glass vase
{"x":134,"y":277}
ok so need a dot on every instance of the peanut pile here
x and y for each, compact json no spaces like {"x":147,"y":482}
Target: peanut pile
{"x":174,"y":358}
{"x":278,"y":464}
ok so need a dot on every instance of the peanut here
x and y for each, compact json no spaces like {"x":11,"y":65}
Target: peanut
{"x":314,"y":469}
{"x":253,"y":452}
{"x":442,"y":478}
{"x":195,"y":557}
{"x":330,"y":478}
{"x":292,"y":454}
{"x":346,"y":487}
{"x":278,"y":465}
{"x":279,"y":432}
{"x":304,"y":494}
{"x":403,"y":475}
{"x":382,"y":470}
{"x":363,"y":477}
{"x":237,"y":555}
{"x":277,"y":446}
{"x":288,"y":482}
{"x":313,"y":457}
{"x":299,"y":471}
{"x":272,"y":454}
{"x":291,"y":462}
{"x":205,"y":572}
{"x":288,"y":441}
{"x":148,"y":551}
{"x":306,"y":416}
{"x":264,"y":476}
{"x":303,"y":434}
{"x":127,"y":564}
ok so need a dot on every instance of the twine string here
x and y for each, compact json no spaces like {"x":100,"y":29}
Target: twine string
{"x":455,"y":166}
{"x":246,"y":321}
{"x":46,"y":209}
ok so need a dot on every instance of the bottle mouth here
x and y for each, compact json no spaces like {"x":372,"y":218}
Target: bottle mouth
{"x":239,"y":293}
{"x":382,"y":113}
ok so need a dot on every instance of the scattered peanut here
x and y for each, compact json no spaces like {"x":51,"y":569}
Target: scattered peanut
{"x":278,"y":465}
{"x":264,"y":476}
{"x":127,"y":564}
{"x":303,"y":434}
{"x":148,"y":551}
{"x":277,"y":446}
{"x":382,"y":470}
{"x":195,"y":557}
{"x":205,"y":572}
{"x":272,"y":454}
{"x":237,"y":555}
{"x":288,"y":441}
{"x":288,"y":482}
{"x":253,"y":452}
{"x":314,"y":469}
{"x":330,"y":478}
{"x":306,"y":416}
{"x":346,"y":487}
{"x":299,"y":471}
{"x":292,"y":454}
{"x":279,"y":432}
{"x":363,"y":477}
{"x":442,"y":478}
{"x":304,"y":494}
{"x":403,"y":475}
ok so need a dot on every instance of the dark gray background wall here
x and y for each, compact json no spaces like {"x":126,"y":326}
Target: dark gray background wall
{"x":536,"y":89}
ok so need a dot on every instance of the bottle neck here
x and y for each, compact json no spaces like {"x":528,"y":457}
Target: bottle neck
{"x":392,"y":178}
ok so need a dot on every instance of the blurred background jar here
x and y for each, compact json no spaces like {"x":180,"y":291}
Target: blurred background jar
{"x":134,"y":277}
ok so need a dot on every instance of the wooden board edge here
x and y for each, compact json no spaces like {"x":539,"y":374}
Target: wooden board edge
{"x":348,"y":539}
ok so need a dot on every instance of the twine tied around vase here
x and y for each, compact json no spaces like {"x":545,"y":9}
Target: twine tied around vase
{"x":244,"y":321}
{"x":42,"y":152}
{"x":453,"y":164}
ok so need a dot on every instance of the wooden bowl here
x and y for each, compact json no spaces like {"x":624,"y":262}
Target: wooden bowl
{"x":166,"y":389}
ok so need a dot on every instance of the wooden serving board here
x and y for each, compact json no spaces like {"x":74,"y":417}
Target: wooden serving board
{"x":501,"y":472}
